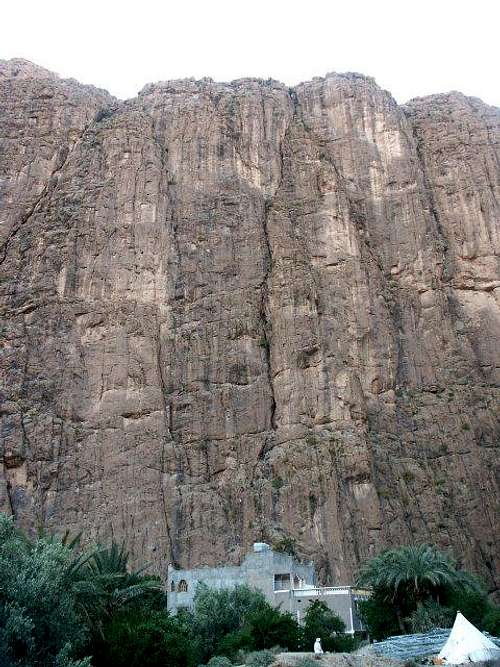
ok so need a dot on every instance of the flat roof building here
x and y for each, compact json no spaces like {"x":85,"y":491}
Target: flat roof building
{"x":285,"y":582}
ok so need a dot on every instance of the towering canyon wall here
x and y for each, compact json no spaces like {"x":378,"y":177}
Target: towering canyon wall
{"x":239,"y":311}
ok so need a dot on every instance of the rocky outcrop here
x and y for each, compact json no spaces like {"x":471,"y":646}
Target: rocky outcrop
{"x":239,"y":311}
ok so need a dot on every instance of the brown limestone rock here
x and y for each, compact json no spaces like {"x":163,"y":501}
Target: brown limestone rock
{"x":234,"y":312}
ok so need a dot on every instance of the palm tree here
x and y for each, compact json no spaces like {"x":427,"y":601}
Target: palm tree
{"x":103,"y":583}
{"x":409,"y":575}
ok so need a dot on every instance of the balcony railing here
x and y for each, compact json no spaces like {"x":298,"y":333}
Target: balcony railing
{"x":320,"y":591}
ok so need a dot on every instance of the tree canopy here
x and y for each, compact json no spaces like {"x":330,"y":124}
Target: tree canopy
{"x":415,"y":588}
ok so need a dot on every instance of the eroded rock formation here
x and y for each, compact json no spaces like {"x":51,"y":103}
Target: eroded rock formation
{"x":240,"y":311}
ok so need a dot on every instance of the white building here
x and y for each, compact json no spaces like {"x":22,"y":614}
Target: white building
{"x":285,"y":582}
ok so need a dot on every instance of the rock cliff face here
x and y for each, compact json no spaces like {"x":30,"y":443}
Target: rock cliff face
{"x":233,"y":312}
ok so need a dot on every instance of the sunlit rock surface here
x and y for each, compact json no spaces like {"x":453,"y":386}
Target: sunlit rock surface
{"x":234,"y":312}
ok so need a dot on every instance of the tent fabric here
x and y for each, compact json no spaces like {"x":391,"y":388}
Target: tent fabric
{"x":467,"y":644}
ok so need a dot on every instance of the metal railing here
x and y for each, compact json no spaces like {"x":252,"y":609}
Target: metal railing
{"x":319,"y":591}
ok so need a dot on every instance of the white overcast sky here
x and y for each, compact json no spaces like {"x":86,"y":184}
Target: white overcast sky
{"x":411,"y":48}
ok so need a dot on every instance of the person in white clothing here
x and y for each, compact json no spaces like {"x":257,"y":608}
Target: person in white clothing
{"x":317,"y":647}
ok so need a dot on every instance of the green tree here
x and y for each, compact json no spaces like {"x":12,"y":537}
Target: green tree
{"x":134,"y":639}
{"x":430,"y":614}
{"x":232,"y":644}
{"x":406,"y":578}
{"x":235,"y":619}
{"x":409,"y":575}
{"x":269,"y":627}
{"x":320,"y":621}
{"x":471,"y":600}
{"x":104,"y":585}
{"x":491,"y":621}
{"x":221,"y":614}
{"x":39,"y":620}
{"x":379,"y":616}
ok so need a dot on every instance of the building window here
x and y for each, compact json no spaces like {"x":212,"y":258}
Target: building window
{"x":298,"y":583}
{"x":172,"y":587}
{"x":182,"y":586}
{"x":281,"y":582}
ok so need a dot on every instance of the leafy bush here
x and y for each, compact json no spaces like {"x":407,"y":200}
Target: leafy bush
{"x":405,"y":579}
{"x":57,"y":606}
{"x":218,"y":613}
{"x":231,"y":620}
{"x":260,"y":658}
{"x":133,"y":639}
{"x":379,"y":617}
{"x":306,"y":661}
{"x":346,"y":643}
{"x":491,"y":621}
{"x":64,"y":659}
{"x":39,"y":620}
{"x":431,"y":615}
{"x":320,"y":621}
{"x":219,"y":661}
{"x":269,"y":627}
{"x":236,"y":644}
{"x":472,"y":602}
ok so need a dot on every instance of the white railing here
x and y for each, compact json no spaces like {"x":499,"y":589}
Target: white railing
{"x":319,"y":591}
{"x":322,"y":590}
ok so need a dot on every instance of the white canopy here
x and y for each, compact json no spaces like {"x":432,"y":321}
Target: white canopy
{"x":467,"y":644}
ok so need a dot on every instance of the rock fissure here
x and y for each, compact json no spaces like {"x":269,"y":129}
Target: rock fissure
{"x":266,"y":340}
{"x":45,"y":193}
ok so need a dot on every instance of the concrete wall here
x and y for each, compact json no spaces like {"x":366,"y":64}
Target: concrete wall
{"x":342,"y":602}
{"x":215,"y":577}
{"x":258,"y":570}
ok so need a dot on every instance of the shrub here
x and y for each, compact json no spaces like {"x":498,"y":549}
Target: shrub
{"x":320,"y":621}
{"x":236,"y":643}
{"x":260,"y":659}
{"x":473,"y":603}
{"x":57,"y":606}
{"x":219,"y":615}
{"x":219,"y":661}
{"x":491,"y":621}
{"x":39,"y":620}
{"x":306,"y":661}
{"x":430,"y":615}
{"x":286,"y":545}
{"x":154,"y":639}
{"x":379,"y":617}
{"x":64,"y":659}
{"x":346,"y":643}
{"x":269,"y":627}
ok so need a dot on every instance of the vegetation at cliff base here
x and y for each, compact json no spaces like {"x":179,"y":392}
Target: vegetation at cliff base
{"x":417,"y":588}
{"x":64,"y":606}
